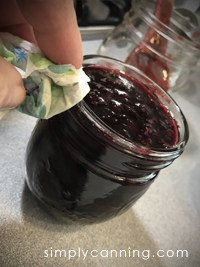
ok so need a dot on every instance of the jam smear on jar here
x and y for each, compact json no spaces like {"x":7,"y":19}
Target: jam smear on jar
{"x":130,"y":108}
{"x":144,"y":58}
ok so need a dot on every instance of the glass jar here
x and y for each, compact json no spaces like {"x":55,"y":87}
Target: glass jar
{"x":81,"y":167}
{"x":162,"y":48}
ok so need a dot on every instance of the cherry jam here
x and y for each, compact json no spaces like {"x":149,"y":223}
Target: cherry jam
{"x":130,"y":108}
{"x":95,"y":160}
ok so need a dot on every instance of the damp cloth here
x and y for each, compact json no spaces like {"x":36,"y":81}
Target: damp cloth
{"x":50,"y":88}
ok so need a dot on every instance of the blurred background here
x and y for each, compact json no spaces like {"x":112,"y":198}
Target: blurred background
{"x":111,"y":12}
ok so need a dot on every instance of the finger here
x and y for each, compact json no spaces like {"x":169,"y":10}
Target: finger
{"x":22,"y":30}
{"x":56,"y":30}
{"x":12,"y":21}
{"x":12,"y":91}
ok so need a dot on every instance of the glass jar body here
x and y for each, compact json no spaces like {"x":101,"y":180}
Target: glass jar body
{"x":80,"y":167}
{"x":64,"y":179}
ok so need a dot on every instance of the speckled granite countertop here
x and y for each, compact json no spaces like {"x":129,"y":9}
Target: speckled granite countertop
{"x":166,"y":218}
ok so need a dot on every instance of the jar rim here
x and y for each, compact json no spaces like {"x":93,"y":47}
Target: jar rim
{"x":129,"y":146}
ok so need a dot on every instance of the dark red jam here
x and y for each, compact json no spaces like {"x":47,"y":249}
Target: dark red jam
{"x":73,"y":167}
{"x":129,"y":108}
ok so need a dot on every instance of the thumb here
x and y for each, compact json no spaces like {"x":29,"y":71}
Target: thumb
{"x":12,"y":91}
{"x":55,"y":28}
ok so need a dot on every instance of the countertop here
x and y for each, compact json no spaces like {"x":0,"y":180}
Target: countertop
{"x":165,"y":219}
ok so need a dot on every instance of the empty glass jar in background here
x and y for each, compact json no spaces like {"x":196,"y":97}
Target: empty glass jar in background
{"x":173,"y":62}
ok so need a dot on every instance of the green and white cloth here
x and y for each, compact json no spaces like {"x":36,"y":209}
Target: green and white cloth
{"x":50,"y":88}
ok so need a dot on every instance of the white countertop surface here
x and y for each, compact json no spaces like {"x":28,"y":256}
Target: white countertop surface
{"x":166,"y":218}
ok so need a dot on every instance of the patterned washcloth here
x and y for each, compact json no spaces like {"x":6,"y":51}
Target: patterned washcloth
{"x":50,"y":88}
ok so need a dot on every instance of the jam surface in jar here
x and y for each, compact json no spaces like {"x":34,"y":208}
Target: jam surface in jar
{"x":130,"y":108}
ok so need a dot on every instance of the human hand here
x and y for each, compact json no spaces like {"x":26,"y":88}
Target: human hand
{"x":52,"y":25}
